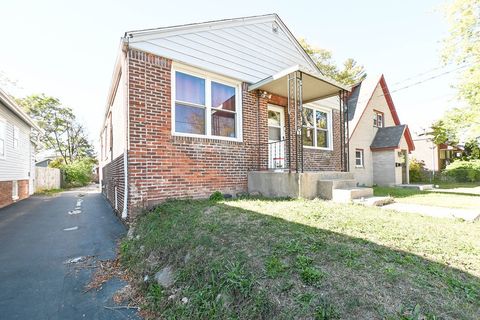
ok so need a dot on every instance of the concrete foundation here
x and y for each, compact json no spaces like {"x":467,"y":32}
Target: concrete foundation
{"x":308,"y":185}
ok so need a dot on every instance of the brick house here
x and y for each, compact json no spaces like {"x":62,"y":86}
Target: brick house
{"x":17,"y":162}
{"x":232,"y":105}
{"x":379,"y":144}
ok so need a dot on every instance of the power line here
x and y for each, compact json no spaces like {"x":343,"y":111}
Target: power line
{"x":419,"y":82}
{"x":432,"y":77}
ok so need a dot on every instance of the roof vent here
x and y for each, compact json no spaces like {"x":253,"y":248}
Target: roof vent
{"x":275,"y":27}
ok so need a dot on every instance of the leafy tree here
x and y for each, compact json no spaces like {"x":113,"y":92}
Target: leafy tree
{"x":462,"y":47}
{"x":350,"y":73}
{"x":62,"y":132}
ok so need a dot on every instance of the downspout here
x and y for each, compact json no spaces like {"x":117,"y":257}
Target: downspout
{"x":258,"y":128}
{"x":347,"y":158}
{"x":127,"y":135}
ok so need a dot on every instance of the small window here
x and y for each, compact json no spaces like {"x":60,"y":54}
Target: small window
{"x":359,"y":158}
{"x":15,"y":190}
{"x":378,"y":119}
{"x":189,"y":104}
{"x":223,"y":110}
{"x":315,"y":129}
{"x":16,"y":137}
{"x":3,"y":129}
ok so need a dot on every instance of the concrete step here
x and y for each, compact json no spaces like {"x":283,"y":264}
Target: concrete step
{"x":348,"y":194}
{"x":325,"y":187}
{"x":335,"y":175}
{"x":374,"y":201}
{"x":420,"y":187}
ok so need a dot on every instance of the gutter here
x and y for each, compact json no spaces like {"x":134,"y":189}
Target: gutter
{"x":17,"y":110}
{"x":127,"y":135}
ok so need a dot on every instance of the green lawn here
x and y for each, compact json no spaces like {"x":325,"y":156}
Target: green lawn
{"x":453,"y":185}
{"x":299,"y":259}
{"x":449,"y":200}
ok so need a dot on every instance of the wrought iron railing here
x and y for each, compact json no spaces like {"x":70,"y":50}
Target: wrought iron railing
{"x":277,"y":155}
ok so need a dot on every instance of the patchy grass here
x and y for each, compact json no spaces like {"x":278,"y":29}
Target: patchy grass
{"x":299,"y":259}
{"x":449,"y":200}
{"x":454,"y":185}
{"x":49,"y":192}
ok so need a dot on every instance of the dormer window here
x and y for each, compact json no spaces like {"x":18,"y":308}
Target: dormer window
{"x":378,"y":119}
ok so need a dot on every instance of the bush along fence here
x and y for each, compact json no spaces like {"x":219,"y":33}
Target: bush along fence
{"x":463,"y":171}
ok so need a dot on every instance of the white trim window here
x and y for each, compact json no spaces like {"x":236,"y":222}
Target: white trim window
{"x":378,"y":119}
{"x":204,"y":105}
{"x":16,"y":137}
{"x":359,"y":158}
{"x":3,"y":138}
{"x":317,"y":128}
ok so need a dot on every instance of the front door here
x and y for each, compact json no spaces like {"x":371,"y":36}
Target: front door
{"x":276,"y":137}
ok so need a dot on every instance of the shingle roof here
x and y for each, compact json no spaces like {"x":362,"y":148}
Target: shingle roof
{"x":388,"y":137}
{"x":359,"y":98}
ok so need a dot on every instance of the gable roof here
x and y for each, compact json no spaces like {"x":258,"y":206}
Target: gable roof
{"x":357,"y":103}
{"x":362,"y":94}
{"x":248,"y":48}
{"x":10,"y":104}
{"x":388,"y":137}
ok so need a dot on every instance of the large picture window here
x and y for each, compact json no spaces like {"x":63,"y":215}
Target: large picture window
{"x":205,"y":106}
{"x":316,"y":128}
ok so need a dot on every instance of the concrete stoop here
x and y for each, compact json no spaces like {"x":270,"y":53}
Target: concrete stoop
{"x":346,"y":195}
{"x":374,"y":201}
{"x":420,"y":187}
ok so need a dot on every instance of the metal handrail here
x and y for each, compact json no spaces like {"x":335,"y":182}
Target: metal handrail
{"x":277,"y":153}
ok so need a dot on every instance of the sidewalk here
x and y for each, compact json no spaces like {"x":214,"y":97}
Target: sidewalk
{"x":441,"y":212}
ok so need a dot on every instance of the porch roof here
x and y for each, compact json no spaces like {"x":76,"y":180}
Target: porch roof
{"x":314,"y":86}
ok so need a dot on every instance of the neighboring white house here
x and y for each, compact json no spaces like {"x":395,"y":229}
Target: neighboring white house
{"x":17,"y":161}
{"x":379,"y":145}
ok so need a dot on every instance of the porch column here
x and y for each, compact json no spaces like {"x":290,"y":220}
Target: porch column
{"x":295,"y":106}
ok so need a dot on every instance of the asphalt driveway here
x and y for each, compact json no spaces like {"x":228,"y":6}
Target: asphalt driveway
{"x":41,"y":238}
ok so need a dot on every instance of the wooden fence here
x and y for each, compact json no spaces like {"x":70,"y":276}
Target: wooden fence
{"x":47,"y":178}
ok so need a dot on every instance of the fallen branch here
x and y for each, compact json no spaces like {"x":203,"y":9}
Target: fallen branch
{"x":121,"y":307}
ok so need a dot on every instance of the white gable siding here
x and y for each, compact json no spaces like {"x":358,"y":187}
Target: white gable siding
{"x":16,"y":165}
{"x":249,"y":51}
{"x":362,"y":138}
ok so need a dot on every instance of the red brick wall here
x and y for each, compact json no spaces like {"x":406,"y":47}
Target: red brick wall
{"x":162,"y":166}
{"x":114,"y":176}
{"x":6,"y":192}
{"x":23,"y":189}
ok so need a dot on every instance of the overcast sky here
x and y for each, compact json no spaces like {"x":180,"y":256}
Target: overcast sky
{"x":67,"y":49}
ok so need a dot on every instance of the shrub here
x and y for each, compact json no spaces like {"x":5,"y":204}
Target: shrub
{"x":417,"y":170}
{"x":464,"y":171}
{"x":216,"y":196}
{"x":78,"y":173}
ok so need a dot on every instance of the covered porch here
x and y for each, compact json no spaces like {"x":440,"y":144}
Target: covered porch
{"x":307,"y":150}
{"x":307,"y":116}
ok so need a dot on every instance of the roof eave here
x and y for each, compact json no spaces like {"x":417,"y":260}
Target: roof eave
{"x":17,"y":110}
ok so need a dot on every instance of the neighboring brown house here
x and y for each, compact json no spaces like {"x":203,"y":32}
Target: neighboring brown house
{"x":379,"y":144}
{"x":17,"y":161}
{"x":435,"y":157}
{"x":232,"y":105}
